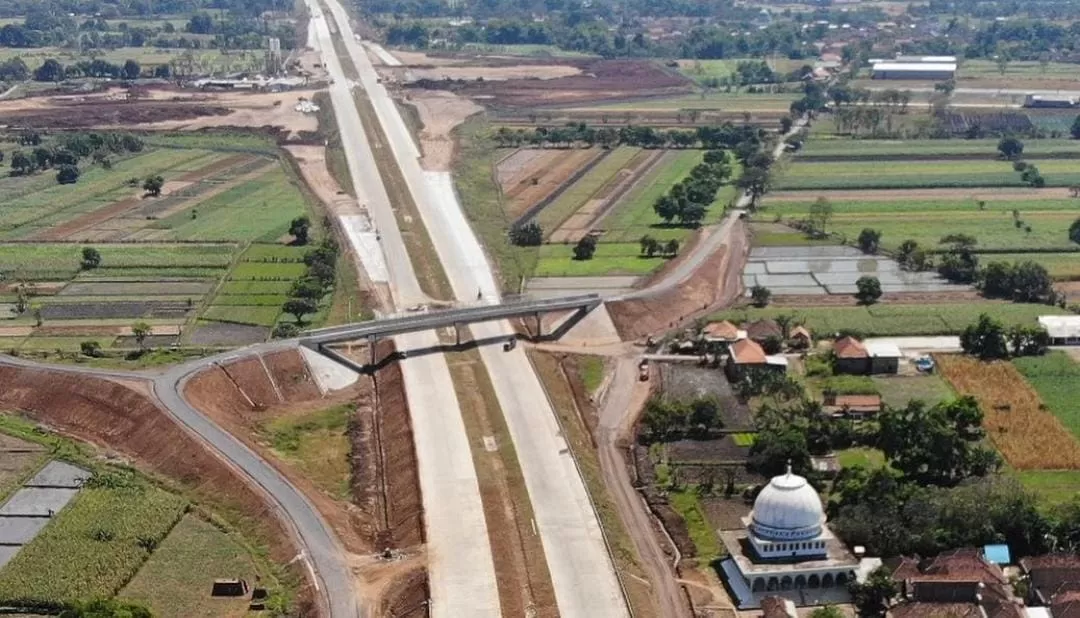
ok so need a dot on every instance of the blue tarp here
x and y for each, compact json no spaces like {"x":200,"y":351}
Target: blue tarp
{"x":998,"y":554}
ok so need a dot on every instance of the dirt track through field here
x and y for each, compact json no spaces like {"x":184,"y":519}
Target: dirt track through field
{"x":585,"y":219}
{"x":890,"y":195}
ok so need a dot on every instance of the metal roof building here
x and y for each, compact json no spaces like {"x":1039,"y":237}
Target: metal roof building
{"x":1063,"y":329}
{"x":937,"y":71}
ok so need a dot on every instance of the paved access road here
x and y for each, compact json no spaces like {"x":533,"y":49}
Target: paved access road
{"x":322,"y":553}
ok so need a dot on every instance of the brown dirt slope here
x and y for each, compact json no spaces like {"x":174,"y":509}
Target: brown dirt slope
{"x":213,"y":389}
{"x":115,"y":416}
{"x":250,"y":377}
{"x":407,"y":597}
{"x":404,"y":508}
{"x":291,"y":375}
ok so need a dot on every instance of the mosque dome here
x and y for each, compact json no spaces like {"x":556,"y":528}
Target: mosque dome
{"x":787,"y":509}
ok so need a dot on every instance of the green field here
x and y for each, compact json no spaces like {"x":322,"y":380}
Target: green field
{"x":886,"y":320}
{"x":700,"y":70}
{"x":1056,"y":378}
{"x":255,"y":315}
{"x":575,"y":196}
{"x":1060,"y":265}
{"x":259,"y":209}
{"x":47,"y":260}
{"x":208,"y":60}
{"x":317,"y":444}
{"x":897,"y":391}
{"x":255,"y":287}
{"x":855,"y":148}
{"x":688,"y":505}
{"x":1017,"y":69}
{"x":862,"y":457}
{"x":92,"y":547}
{"x":919,"y":174}
{"x":1051,"y":486}
{"x":609,"y":259}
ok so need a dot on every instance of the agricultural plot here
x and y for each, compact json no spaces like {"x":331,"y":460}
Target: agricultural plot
{"x":104,"y":536}
{"x":779,"y":103}
{"x":609,"y":259}
{"x":530,"y":176}
{"x":919,"y":174}
{"x":633,"y":216}
{"x":890,"y":320}
{"x":701,"y":70}
{"x":258,"y":285}
{"x":1056,"y":378}
{"x":576,"y":195}
{"x":831,"y":270}
{"x":858,"y":148}
{"x":1028,"y":435}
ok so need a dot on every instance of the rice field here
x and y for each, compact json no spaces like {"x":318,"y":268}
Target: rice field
{"x":920,"y":174}
{"x":1056,"y":377}
{"x":609,"y":259}
{"x":854,"y":148}
{"x":575,"y":196}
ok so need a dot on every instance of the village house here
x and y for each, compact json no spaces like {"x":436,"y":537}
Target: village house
{"x":958,"y":583}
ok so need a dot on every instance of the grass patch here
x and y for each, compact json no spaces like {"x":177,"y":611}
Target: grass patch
{"x":481,"y":199}
{"x":30,"y":260}
{"x":634,"y":216}
{"x":268,"y":271}
{"x":591,"y":369}
{"x":860,"y":457}
{"x":915,"y":174}
{"x":897,"y":391}
{"x":728,"y":102}
{"x":1056,"y":378}
{"x":336,"y":162}
{"x":255,"y":287}
{"x":855,"y":148}
{"x":688,"y":505}
{"x":744,"y":439}
{"x":1051,"y":486}
{"x":255,"y":315}
{"x":317,"y":444}
{"x":846,"y":385}
{"x":609,"y":259}
{"x":175,"y":581}
{"x":94,"y":546}
{"x":884,"y":320}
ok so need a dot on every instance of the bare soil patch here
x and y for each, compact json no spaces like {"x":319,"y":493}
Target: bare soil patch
{"x":890,"y":195}
{"x":18,"y":458}
{"x":251,"y":378}
{"x":90,"y":114}
{"x":114,"y":416}
{"x":585,"y":219}
{"x":440,"y":112}
{"x":515,"y":167}
{"x":547,"y":176}
{"x":312,"y":163}
{"x":290,"y":374}
{"x":716,"y":281}
{"x":598,"y":80}
{"x":895,"y":298}
{"x":250,"y":110}
{"x":413,"y":58}
{"x":407,"y":597}
{"x":497,"y":73}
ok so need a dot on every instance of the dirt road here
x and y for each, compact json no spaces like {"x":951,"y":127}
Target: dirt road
{"x":625,"y":397}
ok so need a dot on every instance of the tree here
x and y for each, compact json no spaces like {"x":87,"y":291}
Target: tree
{"x":309,"y":288}
{"x":938,"y":445}
{"x":90,"y":348}
{"x":785,"y":124}
{"x":1074,"y":231}
{"x":299,"y":229}
{"x":131,"y":70}
{"x":141,"y":330}
{"x":528,"y":235}
{"x":153,"y":185}
{"x":1028,"y":340}
{"x":649,"y":245}
{"x":299,"y":307}
{"x":760,"y":295}
{"x":829,"y":611}
{"x":872,"y":597}
{"x":1010,"y":147}
{"x":91,"y":258}
{"x":985,"y":339}
{"x":869,"y":240}
{"x":1075,"y":129}
{"x":1022,"y":282}
{"x":666,"y":207}
{"x":67,"y":175}
{"x":820,"y":214}
{"x":671,"y":248}
{"x":755,"y":182}
{"x":285,"y":330}
{"x":585,"y":248}
{"x":21,"y":164}
{"x":49,"y":71}
{"x":869,"y":290}
{"x":776,"y":447}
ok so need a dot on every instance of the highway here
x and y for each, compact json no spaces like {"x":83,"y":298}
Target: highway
{"x":582,"y":572}
{"x":461,"y":571}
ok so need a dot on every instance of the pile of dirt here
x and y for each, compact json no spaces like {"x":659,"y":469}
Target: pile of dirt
{"x":101,"y":113}
{"x":716,"y":282}
{"x":407,"y":597}
{"x":121,"y":419}
{"x":599,"y":80}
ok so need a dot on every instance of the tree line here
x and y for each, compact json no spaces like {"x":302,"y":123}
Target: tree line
{"x":689,"y":199}
{"x":65,"y":153}
{"x":726,"y":135}
{"x":317,"y":281}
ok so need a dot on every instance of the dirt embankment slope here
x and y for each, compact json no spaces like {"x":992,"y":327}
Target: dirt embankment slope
{"x":119,"y":418}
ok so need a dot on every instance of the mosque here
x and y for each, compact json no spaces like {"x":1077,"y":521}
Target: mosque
{"x":786,"y":549}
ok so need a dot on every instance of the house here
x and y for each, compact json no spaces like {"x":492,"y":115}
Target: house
{"x":722,"y":332}
{"x":746,"y":354}
{"x":1054,"y":581}
{"x":852,"y":405}
{"x":884,"y":357}
{"x":957,"y":583}
{"x":800,"y":337}
{"x":1063,"y":329}
{"x":851,"y":356}
{"x":858,"y":358}
{"x":760,"y":330}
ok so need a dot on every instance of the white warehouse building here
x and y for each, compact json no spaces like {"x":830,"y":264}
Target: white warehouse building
{"x":936,"y":71}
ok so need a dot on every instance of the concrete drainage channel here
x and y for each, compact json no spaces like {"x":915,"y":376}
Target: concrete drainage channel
{"x":33,"y":506}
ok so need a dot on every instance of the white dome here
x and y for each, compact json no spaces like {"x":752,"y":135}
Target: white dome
{"x":787,"y":509}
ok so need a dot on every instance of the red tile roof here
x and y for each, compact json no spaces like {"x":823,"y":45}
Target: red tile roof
{"x":850,"y":347}
{"x":722,"y":330}
{"x":763,"y":329}
{"x":746,"y":352}
{"x":799,"y":331}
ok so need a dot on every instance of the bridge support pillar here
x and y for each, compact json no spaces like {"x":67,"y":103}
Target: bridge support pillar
{"x":539,"y":325}
{"x":371,"y":350}
{"x":457,"y":334}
